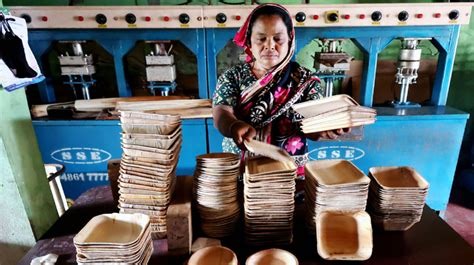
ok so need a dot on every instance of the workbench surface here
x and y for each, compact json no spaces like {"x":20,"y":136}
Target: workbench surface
{"x":431,"y":241}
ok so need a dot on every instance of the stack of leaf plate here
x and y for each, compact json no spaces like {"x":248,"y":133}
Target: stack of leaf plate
{"x":269,"y":187}
{"x":115,"y":239}
{"x":333,"y":185}
{"x":151,"y":144}
{"x":397,"y":197}
{"x":215,"y":193}
{"x":340,"y":111}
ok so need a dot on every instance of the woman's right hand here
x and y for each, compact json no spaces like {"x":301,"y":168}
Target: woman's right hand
{"x":241,"y":131}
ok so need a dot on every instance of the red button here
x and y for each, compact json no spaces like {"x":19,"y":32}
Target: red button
{"x":147,"y":18}
{"x":80,"y":18}
{"x":346,"y":16}
{"x":437,"y":15}
{"x":361,"y":16}
{"x":238,"y":17}
{"x":419,"y":15}
{"x":315,"y":17}
{"x":44,"y":18}
{"x":166,"y":18}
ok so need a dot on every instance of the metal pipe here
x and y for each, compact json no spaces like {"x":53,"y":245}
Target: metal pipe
{"x":332,"y":46}
{"x":72,"y":86}
{"x":85,"y":92}
{"x":329,"y":87}
{"x":404,"y":91}
{"x":156,"y":48}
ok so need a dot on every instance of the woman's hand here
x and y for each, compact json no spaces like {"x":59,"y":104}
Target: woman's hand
{"x":241,"y":131}
{"x":331,"y":135}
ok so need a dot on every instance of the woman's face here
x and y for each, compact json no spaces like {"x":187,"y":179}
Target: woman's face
{"x":269,"y":41}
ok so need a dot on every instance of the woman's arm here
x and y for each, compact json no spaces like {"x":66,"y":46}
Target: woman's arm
{"x":229,"y":126}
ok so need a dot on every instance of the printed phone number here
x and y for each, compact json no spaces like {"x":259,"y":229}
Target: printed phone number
{"x":89,"y":176}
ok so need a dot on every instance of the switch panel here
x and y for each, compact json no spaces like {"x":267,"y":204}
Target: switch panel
{"x":343,"y":15}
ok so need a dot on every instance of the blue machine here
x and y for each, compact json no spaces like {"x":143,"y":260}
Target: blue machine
{"x":85,"y":146}
{"x":427,"y":138}
{"x":86,"y":156}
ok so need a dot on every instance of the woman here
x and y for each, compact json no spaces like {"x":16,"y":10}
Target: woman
{"x":254,"y":99}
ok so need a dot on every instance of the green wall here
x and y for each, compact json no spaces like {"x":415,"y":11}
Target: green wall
{"x":27,"y":208}
{"x":21,"y":156}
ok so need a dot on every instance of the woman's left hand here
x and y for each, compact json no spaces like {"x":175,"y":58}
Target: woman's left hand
{"x":330,"y":135}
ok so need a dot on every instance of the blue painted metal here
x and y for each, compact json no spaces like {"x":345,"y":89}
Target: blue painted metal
{"x":82,"y":170}
{"x":118,"y":49}
{"x":118,"y":43}
{"x":40,"y":49}
{"x":427,"y":138}
{"x":371,"y":48}
{"x":371,"y":40}
{"x":85,"y":146}
{"x":447,"y":47}
{"x":163,"y":87}
{"x":216,"y":39}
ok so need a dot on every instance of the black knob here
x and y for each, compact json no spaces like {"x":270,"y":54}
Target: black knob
{"x":453,"y":15}
{"x":101,"y":19}
{"x":376,"y":16}
{"x":26,"y":17}
{"x":130,"y":18}
{"x":403,"y":16}
{"x":333,"y":17}
{"x":300,"y":17}
{"x":221,"y":18}
{"x":184,"y":18}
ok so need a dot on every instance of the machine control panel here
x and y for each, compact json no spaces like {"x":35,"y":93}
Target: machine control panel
{"x":311,"y":15}
{"x":130,"y":18}
{"x":183,"y":18}
{"x":300,"y":17}
{"x":221,"y":18}
{"x":332,"y":16}
{"x":99,"y":18}
{"x":354,"y":15}
{"x":403,"y":16}
{"x":376,"y":16}
{"x":453,"y":15}
{"x":26,"y":17}
{"x":111,"y":16}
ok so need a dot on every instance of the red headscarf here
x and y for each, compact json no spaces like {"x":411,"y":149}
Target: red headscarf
{"x":241,"y":40}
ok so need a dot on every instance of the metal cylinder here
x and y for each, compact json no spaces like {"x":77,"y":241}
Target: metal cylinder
{"x":77,"y":49}
{"x":412,"y":65}
{"x":329,"y":87}
{"x":332,"y":46}
{"x":410,"y":43}
{"x":159,"y":49}
{"x":410,"y":55}
{"x":404,"y":92}
{"x":156,"y":48}
{"x":85,"y":92}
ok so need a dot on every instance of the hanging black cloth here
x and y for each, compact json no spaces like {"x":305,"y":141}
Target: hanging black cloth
{"x":12,"y":51}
